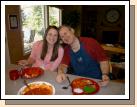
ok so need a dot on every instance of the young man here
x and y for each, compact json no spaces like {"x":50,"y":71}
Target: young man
{"x":85,"y":55}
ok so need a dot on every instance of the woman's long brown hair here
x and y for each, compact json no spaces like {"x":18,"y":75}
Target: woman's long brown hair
{"x":45,"y":45}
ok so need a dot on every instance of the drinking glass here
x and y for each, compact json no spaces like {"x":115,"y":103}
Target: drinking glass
{"x":14,"y":74}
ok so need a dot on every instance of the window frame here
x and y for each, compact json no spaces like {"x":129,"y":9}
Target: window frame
{"x":46,"y":24}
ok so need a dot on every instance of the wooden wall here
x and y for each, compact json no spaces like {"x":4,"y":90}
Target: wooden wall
{"x":14,"y":39}
{"x":69,"y":8}
{"x":100,"y":23}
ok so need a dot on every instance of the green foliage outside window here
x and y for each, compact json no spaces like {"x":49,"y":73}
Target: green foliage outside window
{"x":53,"y":21}
{"x":34,"y":19}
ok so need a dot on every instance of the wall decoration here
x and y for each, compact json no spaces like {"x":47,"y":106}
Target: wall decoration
{"x":112,"y":15}
{"x":13,"y":22}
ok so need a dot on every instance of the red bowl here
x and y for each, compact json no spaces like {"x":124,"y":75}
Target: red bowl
{"x":81,"y":83}
{"x":32,"y":72}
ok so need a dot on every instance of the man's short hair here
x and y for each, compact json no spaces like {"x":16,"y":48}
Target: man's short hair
{"x":69,"y":27}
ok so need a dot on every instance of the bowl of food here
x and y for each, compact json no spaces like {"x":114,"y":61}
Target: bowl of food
{"x":37,"y":88}
{"x":32,"y":72}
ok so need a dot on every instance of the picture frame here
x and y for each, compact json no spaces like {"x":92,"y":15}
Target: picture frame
{"x":97,"y":99}
{"x":13,"y":22}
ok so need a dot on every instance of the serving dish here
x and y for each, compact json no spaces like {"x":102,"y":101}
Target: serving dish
{"x":37,"y":88}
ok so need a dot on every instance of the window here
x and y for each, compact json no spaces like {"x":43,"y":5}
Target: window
{"x":35,"y":19}
{"x":54,"y":16}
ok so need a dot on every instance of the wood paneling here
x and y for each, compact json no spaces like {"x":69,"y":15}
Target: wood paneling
{"x":14,"y":38}
{"x":94,"y":22}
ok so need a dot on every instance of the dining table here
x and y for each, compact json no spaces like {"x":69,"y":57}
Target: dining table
{"x":13,"y":86}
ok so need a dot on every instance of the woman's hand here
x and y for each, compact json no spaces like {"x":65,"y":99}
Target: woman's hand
{"x":28,"y":62}
{"x":105,"y":80}
{"x":60,"y":77}
{"x":23,"y":62}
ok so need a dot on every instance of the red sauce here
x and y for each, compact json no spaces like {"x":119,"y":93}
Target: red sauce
{"x":81,"y":83}
{"x":38,"y":90}
{"x":32,"y":72}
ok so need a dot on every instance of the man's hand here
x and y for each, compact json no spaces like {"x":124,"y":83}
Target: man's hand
{"x":61,"y":73}
{"x":105,"y":80}
{"x":105,"y":68}
{"x":60,"y":77}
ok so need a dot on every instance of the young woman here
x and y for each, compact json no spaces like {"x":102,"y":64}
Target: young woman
{"x":46,"y":53}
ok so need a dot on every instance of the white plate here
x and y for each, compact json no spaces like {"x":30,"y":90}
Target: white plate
{"x":38,"y":82}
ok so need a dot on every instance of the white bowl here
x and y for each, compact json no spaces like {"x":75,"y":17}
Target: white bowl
{"x":38,"y":82}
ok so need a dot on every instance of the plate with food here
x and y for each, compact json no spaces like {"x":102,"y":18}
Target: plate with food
{"x":37,"y":88}
{"x":84,"y":86}
{"x":32,"y":72}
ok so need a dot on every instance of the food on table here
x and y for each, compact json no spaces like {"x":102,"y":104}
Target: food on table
{"x":89,"y":89}
{"x":84,"y":86}
{"x":38,"y":89}
{"x":77,"y":90}
{"x":32,"y":72}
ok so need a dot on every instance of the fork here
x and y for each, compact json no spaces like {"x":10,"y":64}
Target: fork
{"x":25,"y":82}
